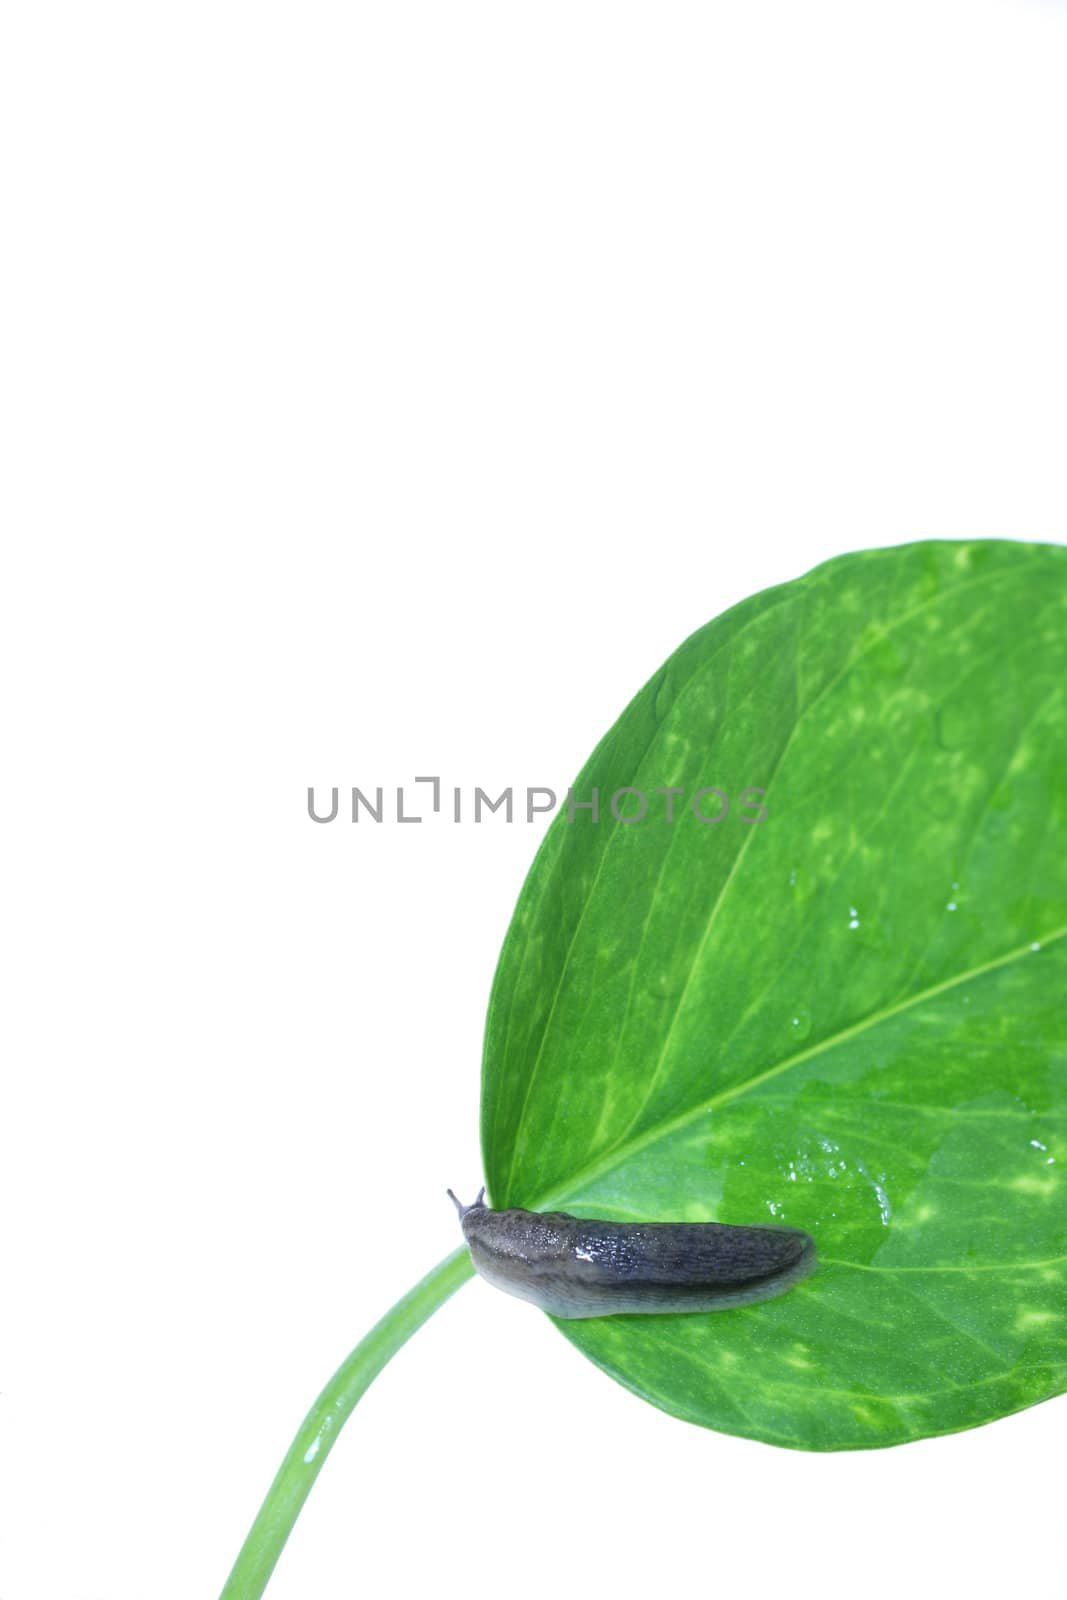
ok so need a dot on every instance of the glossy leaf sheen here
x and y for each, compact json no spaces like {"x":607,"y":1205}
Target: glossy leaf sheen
{"x":851,"y":1016}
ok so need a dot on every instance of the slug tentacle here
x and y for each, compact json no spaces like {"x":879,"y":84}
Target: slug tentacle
{"x":587,"y":1267}
{"x":478,"y":1200}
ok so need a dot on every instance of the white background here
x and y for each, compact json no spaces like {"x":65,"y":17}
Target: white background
{"x":388,"y":389}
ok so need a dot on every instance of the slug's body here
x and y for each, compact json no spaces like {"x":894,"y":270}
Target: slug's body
{"x":581,"y":1267}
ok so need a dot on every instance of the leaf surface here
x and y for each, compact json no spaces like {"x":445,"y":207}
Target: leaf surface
{"x":850,"y":1016}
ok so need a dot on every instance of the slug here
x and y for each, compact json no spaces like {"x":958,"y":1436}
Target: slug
{"x":582,"y":1267}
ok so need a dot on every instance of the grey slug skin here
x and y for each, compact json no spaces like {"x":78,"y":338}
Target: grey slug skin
{"x":579,"y":1267}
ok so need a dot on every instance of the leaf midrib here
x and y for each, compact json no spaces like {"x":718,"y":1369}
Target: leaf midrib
{"x":1005,"y":1267}
{"x":696,"y":963}
{"x":620,"y":1154}
{"x":885,"y":630}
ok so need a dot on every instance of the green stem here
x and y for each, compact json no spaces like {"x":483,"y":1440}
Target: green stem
{"x":320,"y":1428}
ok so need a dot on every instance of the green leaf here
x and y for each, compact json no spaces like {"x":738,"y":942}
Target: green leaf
{"x":850,"y":1016}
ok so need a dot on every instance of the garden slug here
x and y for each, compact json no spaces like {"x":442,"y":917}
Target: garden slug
{"x":583,"y":1267}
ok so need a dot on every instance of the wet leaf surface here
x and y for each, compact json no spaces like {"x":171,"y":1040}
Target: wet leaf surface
{"x":850,"y":1016}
